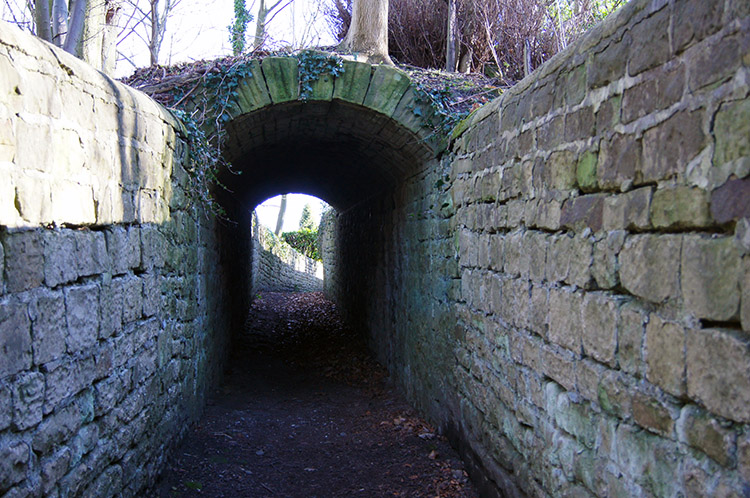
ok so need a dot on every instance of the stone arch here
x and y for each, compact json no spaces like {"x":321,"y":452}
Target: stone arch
{"x":352,"y":136}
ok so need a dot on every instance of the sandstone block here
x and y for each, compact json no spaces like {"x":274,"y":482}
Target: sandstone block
{"x":82,"y":317}
{"x":662,"y":90}
{"x":694,"y":20}
{"x":24,"y":260}
{"x":28,"y":399}
{"x":615,"y":394}
{"x":669,"y":146}
{"x":15,"y":338}
{"x":583,"y":212}
{"x":620,"y":158}
{"x":110,"y":305}
{"x":731,"y":201}
{"x":743,"y":456}
{"x":56,"y":429}
{"x":607,"y":65}
{"x":559,"y":171}
{"x":651,"y":461}
{"x":650,"y":46}
{"x":539,"y":310}
{"x":559,"y":364}
{"x":645,"y":256}
{"x":630,"y":339}
{"x":586,"y":170}
{"x":565,"y":321}
{"x":580,"y":125}
{"x":6,"y":406}
{"x":628,"y":210}
{"x":282,"y":78}
{"x":710,"y":272}
{"x":387,"y":86}
{"x":153,"y":247}
{"x":91,"y":253}
{"x":575,"y":85}
{"x":252,"y":90}
{"x":700,"y":430}
{"x":606,"y":250}
{"x":652,"y":413}
{"x":569,"y":260}
{"x":54,"y":468}
{"x":665,"y":355}
{"x":680,"y":207}
{"x":731,"y":126}
{"x":609,"y":114}
{"x":576,"y":418}
{"x":717,"y":60}
{"x":14,"y":462}
{"x":124,"y":247}
{"x":745,"y":284}
{"x":551,"y":133}
{"x":718,"y":372}
{"x":588,"y":375}
{"x":61,"y":383}
{"x":600,"y":321}
{"x":60,"y":265}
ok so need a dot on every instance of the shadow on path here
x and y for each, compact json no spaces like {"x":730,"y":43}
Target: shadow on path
{"x":305,"y":412}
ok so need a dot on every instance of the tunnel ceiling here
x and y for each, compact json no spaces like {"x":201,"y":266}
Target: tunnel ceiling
{"x":340,"y":152}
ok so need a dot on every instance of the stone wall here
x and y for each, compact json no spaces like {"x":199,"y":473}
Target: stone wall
{"x":278,"y":267}
{"x":566,"y":292}
{"x":113,"y":315}
{"x":602,"y":215}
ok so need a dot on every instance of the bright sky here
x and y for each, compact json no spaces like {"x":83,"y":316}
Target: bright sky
{"x":268,"y":212}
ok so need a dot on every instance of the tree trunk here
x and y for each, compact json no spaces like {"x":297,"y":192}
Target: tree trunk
{"x":368,"y":32}
{"x":78,"y":10}
{"x":260,"y":25}
{"x":450,"y":49}
{"x":41,"y":17}
{"x":59,"y":21}
{"x":280,"y":219}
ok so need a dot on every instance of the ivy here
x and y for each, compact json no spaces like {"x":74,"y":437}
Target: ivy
{"x":312,"y":66}
{"x":304,"y":241}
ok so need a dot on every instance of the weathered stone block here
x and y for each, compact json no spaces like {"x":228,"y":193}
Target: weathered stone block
{"x":582,"y":212}
{"x":539,"y":310}
{"x":671,"y":145}
{"x":615,"y":393}
{"x":580,"y":125}
{"x":559,"y":171}
{"x":15,"y":338}
{"x":153,"y":247}
{"x":607,"y":65}
{"x":680,"y":207}
{"x":56,"y":429}
{"x":14,"y":462}
{"x":60,"y":265}
{"x":252,"y":90}
{"x":551,"y":133}
{"x":645,"y":256}
{"x":54,"y":468}
{"x":662,"y":90}
{"x":600,"y":314}
{"x":387,"y":86}
{"x":647,"y":459}
{"x":700,"y":430}
{"x":352,"y":84}
{"x":630,"y":339}
{"x":576,"y":418}
{"x":695,"y":20}
{"x":24,"y":260}
{"x":28,"y":400}
{"x":652,"y":413}
{"x":709,"y":274}
{"x":48,"y":326}
{"x":91,"y":253}
{"x":586,"y":170}
{"x":82,"y":316}
{"x":743,"y":456}
{"x":588,"y":375}
{"x":620,"y":158}
{"x":717,"y":60}
{"x":124,"y":247}
{"x":731,"y":201}
{"x":745,"y":284}
{"x":718,"y":372}
{"x":282,"y":78}
{"x":628,"y":210}
{"x":559,"y":364}
{"x":606,"y":250}
{"x":650,"y":46}
{"x":665,"y":355}
{"x":110,"y":305}
{"x":6,"y":405}
{"x":569,"y":260}
{"x":609,"y":114}
{"x":575,"y":85}
{"x":565,"y":319}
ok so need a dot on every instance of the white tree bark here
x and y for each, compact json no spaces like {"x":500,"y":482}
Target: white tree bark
{"x":368,"y":32}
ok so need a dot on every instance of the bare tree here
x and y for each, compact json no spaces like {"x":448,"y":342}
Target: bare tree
{"x":266,"y":13}
{"x":368,"y":31}
{"x":282,"y":212}
{"x":147,"y":20}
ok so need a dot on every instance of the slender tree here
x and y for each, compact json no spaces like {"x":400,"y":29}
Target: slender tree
{"x":368,"y":31}
{"x":452,"y":37}
{"x":266,"y":13}
{"x":280,"y":219}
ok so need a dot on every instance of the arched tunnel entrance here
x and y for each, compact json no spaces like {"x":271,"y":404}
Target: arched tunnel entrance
{"x":379,"y":177}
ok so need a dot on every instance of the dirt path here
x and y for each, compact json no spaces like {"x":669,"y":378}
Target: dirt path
{"x":304,"y":412}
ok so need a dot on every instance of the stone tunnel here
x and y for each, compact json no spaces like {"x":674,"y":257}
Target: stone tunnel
{"x":562,"y":285}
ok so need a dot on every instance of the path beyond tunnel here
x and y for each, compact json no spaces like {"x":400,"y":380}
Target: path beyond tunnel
{"x":305,"y":412}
